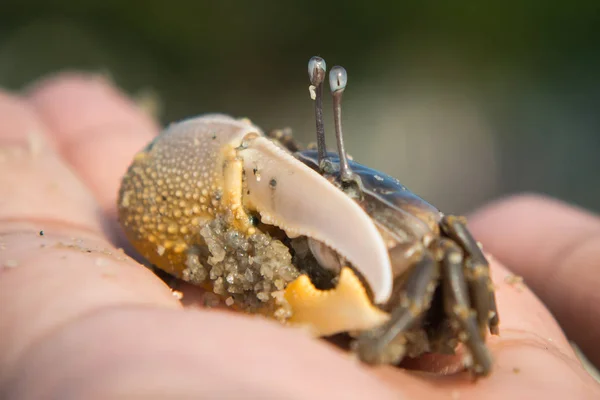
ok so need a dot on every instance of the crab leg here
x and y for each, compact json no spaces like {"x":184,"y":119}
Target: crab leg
{"x":478,"y":272}
{"x":417,"y":295}
{"x":457,"y":305}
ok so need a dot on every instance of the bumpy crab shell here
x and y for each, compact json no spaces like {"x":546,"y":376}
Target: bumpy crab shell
{"x":216,"y":203}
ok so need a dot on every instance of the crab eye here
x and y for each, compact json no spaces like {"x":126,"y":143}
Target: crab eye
{"x":338,"y":78}
{"x":316,"y":70}
{"x":316,"y":74}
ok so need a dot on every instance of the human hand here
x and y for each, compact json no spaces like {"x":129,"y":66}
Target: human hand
{"x":80,"y":319}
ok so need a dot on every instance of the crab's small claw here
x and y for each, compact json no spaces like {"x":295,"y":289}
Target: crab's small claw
{"x":326,"y":312}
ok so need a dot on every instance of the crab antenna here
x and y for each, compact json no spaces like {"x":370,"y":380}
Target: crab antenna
{"x":338,"y":78}
{"x":316,"y":73}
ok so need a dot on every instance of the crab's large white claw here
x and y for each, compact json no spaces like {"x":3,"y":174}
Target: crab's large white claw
{"x":290,"y":195}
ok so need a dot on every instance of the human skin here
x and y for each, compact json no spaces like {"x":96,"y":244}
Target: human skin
{"x":80,"y":319}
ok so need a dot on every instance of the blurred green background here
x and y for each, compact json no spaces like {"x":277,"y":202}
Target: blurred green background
{"x":463,"y":101}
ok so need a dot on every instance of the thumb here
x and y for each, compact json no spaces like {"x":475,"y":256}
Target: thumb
{"x":555,"y":247}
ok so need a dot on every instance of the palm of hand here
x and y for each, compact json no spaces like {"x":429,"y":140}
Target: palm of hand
{"x":78,"y":316}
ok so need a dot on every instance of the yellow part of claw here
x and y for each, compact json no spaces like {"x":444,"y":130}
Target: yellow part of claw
{"x":326,"y":312}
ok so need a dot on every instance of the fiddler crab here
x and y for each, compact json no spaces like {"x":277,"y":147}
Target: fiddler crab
{"x":309,"y":237}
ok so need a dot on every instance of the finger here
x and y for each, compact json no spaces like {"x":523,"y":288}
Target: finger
{"x":55,"y":264}
{"x":33,"y":179}
{"x":531,"y":355}
{"x":97,"y":129}
{"x":556,"y":248}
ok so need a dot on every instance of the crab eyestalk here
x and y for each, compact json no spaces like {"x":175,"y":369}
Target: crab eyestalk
{"x":316,"y":73}
{"x":338,"y":78}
